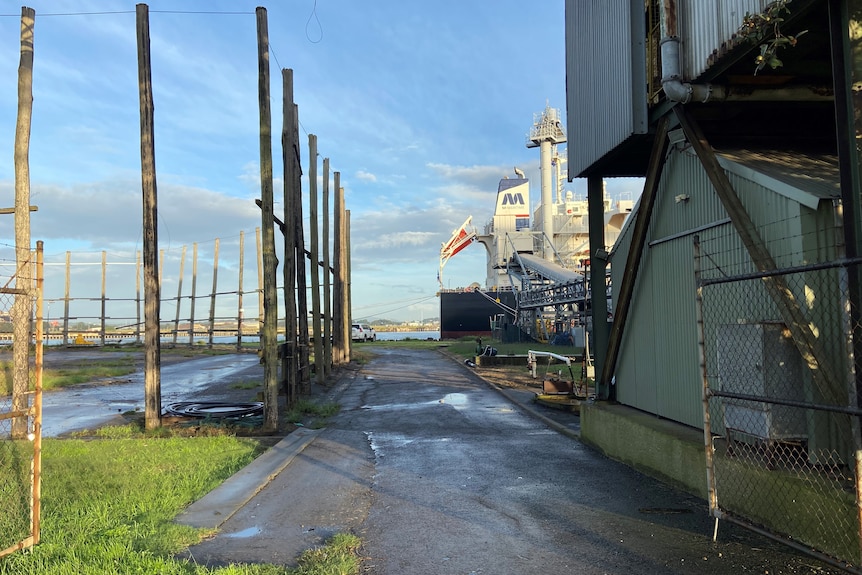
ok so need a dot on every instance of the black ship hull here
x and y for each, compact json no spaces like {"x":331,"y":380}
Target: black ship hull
{"x":469,"y":313}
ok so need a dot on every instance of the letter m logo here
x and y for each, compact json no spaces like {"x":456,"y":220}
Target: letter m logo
{"x":513,"y":199}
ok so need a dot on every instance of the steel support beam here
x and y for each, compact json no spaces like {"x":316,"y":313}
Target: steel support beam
{"x":633,"y":260}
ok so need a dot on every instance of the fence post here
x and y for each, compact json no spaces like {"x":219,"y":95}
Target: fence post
{"x":338,"y":344}
{"x":270,"y":308}
{"x":66,"y":298}
{"x":104,"y":282}
{"x":290,"y":153}
{"x":179,"y":294}
{"x":138,"y":295}
{"x":239,"y":292}
{"x":194,"y":291}
{"x":259,"y":287}
{"x":301,"y":283}
{"x":152,"y":373}
{"x":314,"y":268}
{"x":213,"y":296}
{"x":348,"y":298}
{"x":707,"y":427}
{"x":36,"y":498}
{"x":22,"y":305}
{"x":327,"y":306}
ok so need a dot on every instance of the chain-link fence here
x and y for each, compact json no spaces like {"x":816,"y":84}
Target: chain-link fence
{"x":780,"y":400}
{"x":20,"y":405}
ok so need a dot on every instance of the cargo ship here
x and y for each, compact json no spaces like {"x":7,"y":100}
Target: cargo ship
{"x":556,"y":236}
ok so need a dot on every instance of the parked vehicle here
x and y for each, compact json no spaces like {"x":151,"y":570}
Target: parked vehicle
{"x":363,"y":332}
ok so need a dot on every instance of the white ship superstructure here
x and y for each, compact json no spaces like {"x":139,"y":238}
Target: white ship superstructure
{"x":558,"y":236}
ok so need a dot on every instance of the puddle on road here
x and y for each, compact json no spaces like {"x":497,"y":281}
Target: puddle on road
{"x":249,"y":532}
{"x":456,"y":400}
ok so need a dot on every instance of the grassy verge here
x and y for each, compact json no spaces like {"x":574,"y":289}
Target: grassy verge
{"x":465,"y":347}
{"x":310,"y":414}
{"x":108,"y":507}
{"x":73,"y":375}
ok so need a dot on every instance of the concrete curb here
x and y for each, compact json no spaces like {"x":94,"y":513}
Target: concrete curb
{"x":221,"y":503}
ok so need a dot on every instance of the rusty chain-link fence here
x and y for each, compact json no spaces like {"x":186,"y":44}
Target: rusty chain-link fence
{"x":780,"y":398}
{"x":20,"y":405}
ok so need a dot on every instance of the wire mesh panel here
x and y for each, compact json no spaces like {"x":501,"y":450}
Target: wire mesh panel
{"x":20,"y":407}
{"x":780,"y":403}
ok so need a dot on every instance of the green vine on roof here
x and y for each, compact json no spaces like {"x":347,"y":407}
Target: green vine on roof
{"x":764,"y":28}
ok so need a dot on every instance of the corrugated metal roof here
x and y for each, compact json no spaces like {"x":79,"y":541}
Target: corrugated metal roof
{"x":806,"y":178}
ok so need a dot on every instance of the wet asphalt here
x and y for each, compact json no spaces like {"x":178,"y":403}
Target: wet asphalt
{"x":92,"y":405}
{"x":439,"y":472}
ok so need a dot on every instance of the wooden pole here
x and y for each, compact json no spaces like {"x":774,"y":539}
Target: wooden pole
{"x":290,"y":155}
{"x":152,"y":357}
{"x":315,"y":269}
{"x":213,"y":295}
{"x":301,"y":283}
{"x":327,"y":295}
{"x":36,"y":498}
{"x":348,"y":297}
{"x":259,"y":285}
{"x":104,"y":281}
{"x":23,"y":280}
{"x":138,"y":266}
{"x":194,"y":291}
{"x":269,"y":339}
{"x":338,"y":344}
{"x":179,"y":295}
{"x":239,"y":292}
{"x":66,"y":298}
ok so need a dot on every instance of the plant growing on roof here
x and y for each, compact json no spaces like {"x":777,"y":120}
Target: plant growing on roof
{"x":764,"y":28}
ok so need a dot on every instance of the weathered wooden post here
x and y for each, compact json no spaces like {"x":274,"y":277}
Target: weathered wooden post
{"x":213,"y":294}
{"x":327,"y":280}
{"x":339,"y":349}
{"x":66,"y":298}
{"x":290,"y":154}
{"x":179,"y":295}
{"x":314,"y":268}
{"x":194,"y":291}
{"x":152,"y":375}
{"x":301,"y":283}
{"x":239,"y":292}
{"x":348,"y":298}
{"x":102,"y":325}
{"x":269,"y":339}
{"x":22,"y":306}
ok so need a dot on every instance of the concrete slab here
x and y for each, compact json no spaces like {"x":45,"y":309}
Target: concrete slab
{"x":221,"y":503}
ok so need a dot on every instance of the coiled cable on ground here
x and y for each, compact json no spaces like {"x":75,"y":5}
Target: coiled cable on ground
{"x":213,"y":409}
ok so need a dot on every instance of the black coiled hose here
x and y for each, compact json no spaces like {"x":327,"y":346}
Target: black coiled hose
{"x":213,"y":409}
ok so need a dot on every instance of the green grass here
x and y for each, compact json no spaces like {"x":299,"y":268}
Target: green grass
{"x":311,"y":414}
{"x":465,"y":347}
{"x":108,"y":507}
{"x":57,"y":378}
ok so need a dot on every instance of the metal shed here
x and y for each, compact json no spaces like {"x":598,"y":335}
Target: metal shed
{"x":790,"y":197}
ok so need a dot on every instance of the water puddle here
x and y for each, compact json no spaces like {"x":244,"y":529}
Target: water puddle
{"x":245,"y":533}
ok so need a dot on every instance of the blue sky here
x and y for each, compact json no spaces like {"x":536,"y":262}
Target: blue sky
{"x":422,"y":107}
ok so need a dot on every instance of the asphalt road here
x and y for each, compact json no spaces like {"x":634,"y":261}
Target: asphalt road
{"x":439,"y":473}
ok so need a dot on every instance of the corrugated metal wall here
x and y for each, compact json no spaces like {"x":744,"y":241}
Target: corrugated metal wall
{"x":658,"y":370}
{"x":707,"y":29}
{"x":606,"y":66}
{"x":604,"y":104}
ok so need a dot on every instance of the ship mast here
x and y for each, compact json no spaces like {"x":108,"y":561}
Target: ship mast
{"x":546,"y":133}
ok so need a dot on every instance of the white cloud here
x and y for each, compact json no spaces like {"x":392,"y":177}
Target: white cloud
{"x":366,"y":176}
